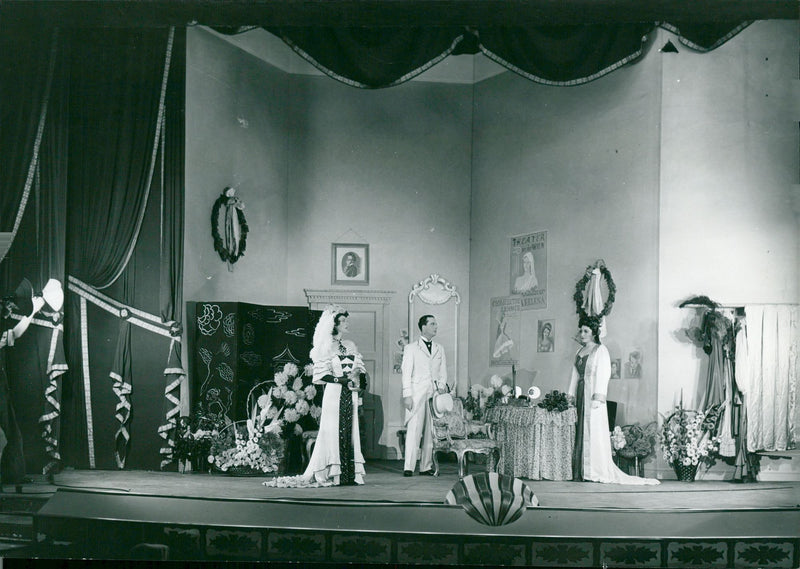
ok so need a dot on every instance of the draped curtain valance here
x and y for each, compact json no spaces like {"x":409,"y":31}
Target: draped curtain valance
{"x":379,"y":57}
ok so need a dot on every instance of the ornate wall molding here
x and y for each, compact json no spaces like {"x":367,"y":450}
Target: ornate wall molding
{"x":348,"y":296}
{"x":434,"y":290}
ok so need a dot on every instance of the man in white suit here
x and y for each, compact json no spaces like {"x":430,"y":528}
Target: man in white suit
{"x":424,"y":371}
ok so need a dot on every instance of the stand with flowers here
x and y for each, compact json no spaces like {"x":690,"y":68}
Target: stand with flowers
{"x":686,"y":441}
{"x":632,"y":444}
{"x":297,"y":403}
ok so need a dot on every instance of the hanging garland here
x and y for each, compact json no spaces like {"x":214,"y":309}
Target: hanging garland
{"x":580,"y":287}
{"x":231,"y":247}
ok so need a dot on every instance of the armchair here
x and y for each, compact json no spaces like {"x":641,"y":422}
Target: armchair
{"x":451,"y":432}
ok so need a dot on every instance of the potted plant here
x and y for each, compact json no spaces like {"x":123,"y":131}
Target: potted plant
{"x":193,"y":440}
{"x":686,"y":441}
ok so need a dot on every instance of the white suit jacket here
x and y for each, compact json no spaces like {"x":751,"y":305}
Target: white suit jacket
{"x":423,"y":372}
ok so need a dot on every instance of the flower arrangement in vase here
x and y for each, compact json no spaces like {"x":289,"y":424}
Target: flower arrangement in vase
{"x":686,"y":441}
{"x":482,"y":397}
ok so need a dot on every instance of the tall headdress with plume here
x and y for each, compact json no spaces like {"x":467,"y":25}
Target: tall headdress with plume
{"x":323,"y":345}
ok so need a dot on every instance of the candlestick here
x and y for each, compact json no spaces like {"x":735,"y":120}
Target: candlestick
{"x":514,"y":380}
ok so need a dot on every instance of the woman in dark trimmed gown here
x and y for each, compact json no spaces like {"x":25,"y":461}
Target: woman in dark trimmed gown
{"x":592,"y":460}
{"x":336,"y":459}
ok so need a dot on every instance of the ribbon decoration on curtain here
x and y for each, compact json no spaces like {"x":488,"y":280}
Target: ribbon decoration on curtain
{"x":122,"y":386}
{"x":56,"y":366}
{"x":120,"y":373}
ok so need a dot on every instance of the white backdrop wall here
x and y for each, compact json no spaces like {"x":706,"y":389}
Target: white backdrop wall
{"x":729,"y":160}
{"x":582,"y":164}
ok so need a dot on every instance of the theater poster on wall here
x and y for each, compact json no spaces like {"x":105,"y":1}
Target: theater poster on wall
{"x":529,"y":269}
{"x":504,"y":331}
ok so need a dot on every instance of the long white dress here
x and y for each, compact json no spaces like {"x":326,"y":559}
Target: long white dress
{"x":596,"y":463}
{"x":326,"y":464}
{"x":336,"y":458}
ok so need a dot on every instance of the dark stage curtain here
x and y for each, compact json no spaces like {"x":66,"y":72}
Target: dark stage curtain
{"x":116,"y":88}
{"x":23,"y":90}
{"x":117,"y":79}
{"x":555,"y":55}
{"x":171,"y":257}
{"x":31,"y":210}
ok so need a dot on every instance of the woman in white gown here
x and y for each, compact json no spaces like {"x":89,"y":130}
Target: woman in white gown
{"x":591,"y":460}
{"x":336,"y":459}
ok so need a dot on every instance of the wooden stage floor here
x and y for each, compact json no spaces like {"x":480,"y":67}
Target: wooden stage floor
{"x":393,"y":519}
{"x":384,"y":482}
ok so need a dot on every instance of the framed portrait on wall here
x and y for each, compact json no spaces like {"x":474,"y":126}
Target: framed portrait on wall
{"x":546,"y":341}
{"x":633,"y":367}
{"x":528,"y":277}
{"x":616,"y":365}
{"x":349,"y":264}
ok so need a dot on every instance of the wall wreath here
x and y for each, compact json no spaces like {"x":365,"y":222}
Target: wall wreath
{"x":581,"y":286}
{"x":229,"y":227}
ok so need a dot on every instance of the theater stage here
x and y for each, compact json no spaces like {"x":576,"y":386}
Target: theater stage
{"x":393,"y":519}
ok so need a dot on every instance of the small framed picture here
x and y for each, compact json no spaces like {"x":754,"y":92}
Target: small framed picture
{"x":616,"y":365}
{"x":633,"y":367}
{"x":350,"y":264}
{"x":546,"y":336}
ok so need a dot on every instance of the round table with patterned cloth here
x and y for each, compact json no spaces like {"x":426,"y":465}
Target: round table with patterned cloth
{"x":535,"y":443}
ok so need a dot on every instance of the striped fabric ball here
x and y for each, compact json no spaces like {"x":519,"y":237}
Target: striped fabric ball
{"x":492,"y":499}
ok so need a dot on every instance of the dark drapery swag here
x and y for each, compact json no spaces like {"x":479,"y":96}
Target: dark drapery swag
{"x":554,"y":55}
{"x":117,"y":90}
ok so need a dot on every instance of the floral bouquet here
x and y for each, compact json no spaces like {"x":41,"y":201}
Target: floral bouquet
{"x":294,"y":400}
{"x":252,"y":446}
{"x":555,"y":401}
{"x":685,"y":440}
